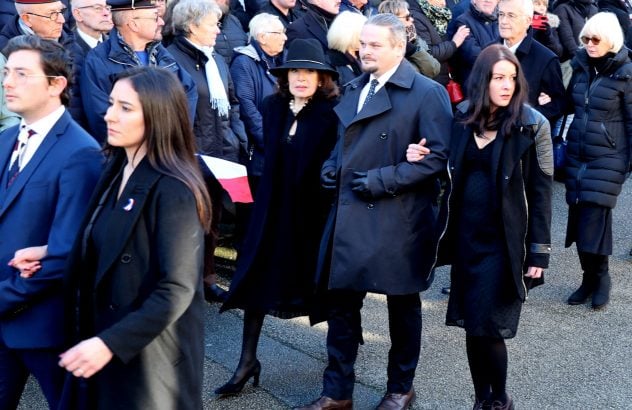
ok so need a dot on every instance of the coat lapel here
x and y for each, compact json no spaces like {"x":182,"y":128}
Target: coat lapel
{"x":42,"y":151}
{"x":126,"y":213}
{"x":7,"y":143}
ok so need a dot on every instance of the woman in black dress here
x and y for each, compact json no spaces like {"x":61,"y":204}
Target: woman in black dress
{"x":275,"y":270}
{"x":498,"y":234}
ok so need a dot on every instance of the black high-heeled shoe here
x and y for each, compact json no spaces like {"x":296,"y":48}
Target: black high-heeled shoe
{"x":234,"y":388}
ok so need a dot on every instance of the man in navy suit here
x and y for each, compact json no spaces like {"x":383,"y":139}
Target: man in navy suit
{"x":48,"y":168}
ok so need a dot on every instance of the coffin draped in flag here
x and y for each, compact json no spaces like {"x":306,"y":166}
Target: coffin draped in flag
{"x":232,"y":176}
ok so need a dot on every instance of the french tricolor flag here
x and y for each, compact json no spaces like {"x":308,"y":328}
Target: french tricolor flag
{"x":233,"y":177}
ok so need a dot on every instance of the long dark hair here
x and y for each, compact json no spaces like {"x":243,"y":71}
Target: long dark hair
{"x":479,"y":113}
{"x":168,"y":131}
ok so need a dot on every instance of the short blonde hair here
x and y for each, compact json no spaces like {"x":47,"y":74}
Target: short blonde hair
{"x":605,"y":26}
{"x":345,"y":30}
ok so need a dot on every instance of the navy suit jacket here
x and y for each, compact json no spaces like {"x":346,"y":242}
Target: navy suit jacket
{"x":44,"y":205}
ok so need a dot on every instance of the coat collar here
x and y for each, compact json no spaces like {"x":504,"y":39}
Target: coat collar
{"x":47,"y":144}
{"x":127,"y":210}
{"x":403,"y":77}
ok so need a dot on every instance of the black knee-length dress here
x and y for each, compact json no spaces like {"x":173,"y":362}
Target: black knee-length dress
{"x":483,"y":299}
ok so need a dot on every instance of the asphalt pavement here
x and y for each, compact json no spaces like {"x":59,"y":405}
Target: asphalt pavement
{"x":564,"y":357}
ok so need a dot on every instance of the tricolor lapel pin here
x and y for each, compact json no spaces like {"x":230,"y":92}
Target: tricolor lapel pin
{"x":130,"y":204}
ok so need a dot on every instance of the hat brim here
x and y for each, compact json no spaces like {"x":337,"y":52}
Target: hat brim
{"x":307,"y":65}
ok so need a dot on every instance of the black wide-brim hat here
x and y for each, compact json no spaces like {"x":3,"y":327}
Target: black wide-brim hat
{"x":120,"y":5}
{"x":307,"y":54}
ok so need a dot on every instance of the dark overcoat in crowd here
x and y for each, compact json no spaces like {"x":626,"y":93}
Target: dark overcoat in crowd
{"x":522,"y":164}
{"x":542,"y":71}
{"x":440,"y":47}
{"x":316,"y":132}
{"x":599,"y":151}
{"x":348,"y":67}
{"x":111,"y":57}
{"x":573,"y":15}
{"x":387,"y":244}
{"x":216,"y":135}
{"x":253,"y":83}
{"x":622,"y":10}
{"x":286,"y":19}
{"x":483,"y":32}
{"x":313,"y":24}
{"x":142,"y":295}
{"x":231,"y":35}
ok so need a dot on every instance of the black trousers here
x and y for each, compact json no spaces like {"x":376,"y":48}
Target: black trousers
{"x":345,"y":336}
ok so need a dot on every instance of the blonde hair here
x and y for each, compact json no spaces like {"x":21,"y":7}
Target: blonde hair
{"x":605,"y":26}
{"x":344,"y":32}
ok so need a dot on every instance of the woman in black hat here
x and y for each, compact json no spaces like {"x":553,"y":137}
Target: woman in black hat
{"x":275,"y":268}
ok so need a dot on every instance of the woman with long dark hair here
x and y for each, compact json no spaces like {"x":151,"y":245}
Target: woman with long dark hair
{"x":277,"y":263}
{"x":498,"y":232}
{"x":134,"y":280}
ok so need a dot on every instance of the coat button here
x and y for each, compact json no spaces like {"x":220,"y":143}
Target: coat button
{"x":126,"y":258}
{"x":370,"y":206}
{"x":383,"y":136}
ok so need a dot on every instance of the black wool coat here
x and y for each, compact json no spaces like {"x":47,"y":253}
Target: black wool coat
{"x":523,"y":169}
{"x":387,"y":244}
{"x":142,"y":295}
{"x":316,"y":134}
{"x":572,"y":16}
{"x":542,"y":71}
{"x":219,"y":136}
{"x":599,"y":150}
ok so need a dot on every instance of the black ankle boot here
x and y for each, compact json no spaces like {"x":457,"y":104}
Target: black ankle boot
{"x":583,"y":292}
{"x":601,"y":295}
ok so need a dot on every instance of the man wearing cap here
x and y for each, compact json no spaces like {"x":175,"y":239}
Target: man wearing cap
{"x":382,"y":235}
{"x":134,"y":41}
{"x":43,"y":18}
{"x":93,"y":20}
{"x":48,"y":168}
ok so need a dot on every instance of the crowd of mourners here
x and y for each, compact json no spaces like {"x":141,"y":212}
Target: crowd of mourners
{"x":382,"y":139}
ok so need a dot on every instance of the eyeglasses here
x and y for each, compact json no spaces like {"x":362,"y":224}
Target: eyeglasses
{"x":594,"y":40}
{"x":276,"y":32}
{"x":21,"y":77}
{"x":508,"y":16}
{"x":406,"y":17}
{"x":53,"y":16}
{"x":98,"y":8}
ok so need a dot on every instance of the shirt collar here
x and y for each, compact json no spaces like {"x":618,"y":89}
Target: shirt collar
{"x":90,"y":41}
{"x":45,"y":124}
{"x":384,"y":77}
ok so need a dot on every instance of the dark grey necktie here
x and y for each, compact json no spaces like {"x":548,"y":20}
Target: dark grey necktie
{"x":371,"y":92}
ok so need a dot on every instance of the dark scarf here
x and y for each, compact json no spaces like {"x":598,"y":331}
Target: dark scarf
{"x":438,"y":16}
{"x":583,"y":6}
{"x":323,"y":17}
{"x":599,"y":65}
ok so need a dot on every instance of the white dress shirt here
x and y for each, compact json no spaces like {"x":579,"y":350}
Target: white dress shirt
{"x":381,"y":81}
{"x":41,"y":127}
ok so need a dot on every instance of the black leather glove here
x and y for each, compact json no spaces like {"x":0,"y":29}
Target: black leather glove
{"x":360,"y":185}
{"x":328,"y":179}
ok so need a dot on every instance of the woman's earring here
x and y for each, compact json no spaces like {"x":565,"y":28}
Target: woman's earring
{"x":320,"y":84}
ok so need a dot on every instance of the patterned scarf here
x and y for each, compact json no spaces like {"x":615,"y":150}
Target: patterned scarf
{"x":438,"y":16}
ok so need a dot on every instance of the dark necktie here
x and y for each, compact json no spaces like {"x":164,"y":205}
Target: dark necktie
{"x":20,"y":147}
{"x":371,"y":92}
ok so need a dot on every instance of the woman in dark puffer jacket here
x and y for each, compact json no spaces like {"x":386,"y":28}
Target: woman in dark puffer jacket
{"x":599,"y":150}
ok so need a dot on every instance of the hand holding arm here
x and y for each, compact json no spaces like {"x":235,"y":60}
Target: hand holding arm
{"x":27,"y":260}
{"x":417,"y":152}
